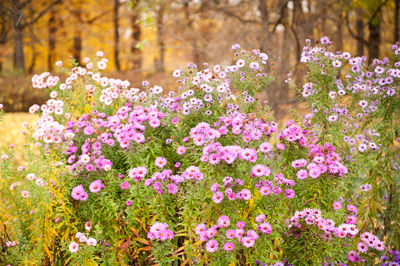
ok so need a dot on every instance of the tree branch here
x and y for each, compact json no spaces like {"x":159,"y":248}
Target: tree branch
{"x":355,"y":36}
{"x":23,"y":4}
{"x":281,"y":16}
{"x":90,"y":21}
{"x":376,"y":12}
{"x":232,"y":14}
{"x":44,"y":11}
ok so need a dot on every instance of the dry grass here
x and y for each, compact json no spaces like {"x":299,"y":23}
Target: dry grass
{"x":10,"y":132}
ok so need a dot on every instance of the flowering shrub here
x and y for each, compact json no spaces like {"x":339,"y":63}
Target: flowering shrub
{"x":203,"y":175}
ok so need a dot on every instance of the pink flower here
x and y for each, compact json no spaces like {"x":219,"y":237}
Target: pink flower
{"x":362,"y":247}
{"x":260,"y":218}
{"x":258,"y":170}
{"x":280,"y":146}
{"x":124,"y":185}
{"x":181,"y":150}
{"x":248,"y":242}
{"x":91,"y":242}
{"x":212,"y":246}
{"x":230,"y":233}
{"x":96,"y":186}
{"x":224,"y":221}
{"x":265,"y":190}
{"x":228,"y":246}
{"x":337,"y":205}
{"x":214,"y":187}
{"x":25,"y":194}
{"x":352,"y":208}
{"x":217,"y":197}
{"x":161,"y":162}
{"x":302,"y":174}
{"x":265,"y":228}
{"x":245,"y":194}
{"x":88,"y":225}
{"x":201,"y":228}
{"x":241,"y":224}
{"x":73,"y":247}
{"x":78,"y":193}
{"x":351,"y":219}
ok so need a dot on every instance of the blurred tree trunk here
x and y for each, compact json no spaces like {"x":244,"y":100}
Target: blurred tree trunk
{"x":4,"y":29}
{"x":160,"y":39}
{"x":32,"y":65}
{"x":339,"y":31}
{"x":77,"y":44}
{"x":262,"y":7}
{"x":360,"y":33}
{"x":16,"y":22}
{"x":193,"y":37}
{"x":374,"y":37}
{"x":116,"y":35}
{"x":52,"y":29}
{"x":396,"y":20}
{"x":136,"y":36}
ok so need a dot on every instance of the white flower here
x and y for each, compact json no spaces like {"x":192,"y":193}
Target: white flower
{"x":91,"y":241}
{"x":85,"y":158}
{"x":73,"y":247}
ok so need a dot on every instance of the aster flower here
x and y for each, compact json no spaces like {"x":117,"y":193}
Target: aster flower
{"x":73,"y":247}
{"x":224,"y":221}
{"x":160,"y":162}
{"x":337,"y":205}
{"x":124,"y":185}
{"x":228,"y":246}
{"x":248,"y":242}
{"x":212,"y":246}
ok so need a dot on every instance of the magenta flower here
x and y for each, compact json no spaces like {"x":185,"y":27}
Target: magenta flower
{"x":337,"y":205}
{"x":124,"y":185}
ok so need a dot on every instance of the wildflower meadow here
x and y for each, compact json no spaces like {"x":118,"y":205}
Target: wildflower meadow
{"x":201,"y":174}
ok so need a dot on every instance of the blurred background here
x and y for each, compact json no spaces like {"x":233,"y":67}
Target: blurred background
{"x":148,"y":39}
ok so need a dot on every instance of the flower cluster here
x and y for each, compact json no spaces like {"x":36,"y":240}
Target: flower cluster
{"x":230,"y":236}
{"x":74,"y":246}
{"x":160,"y":231}
{"x":321,"y":159}
{"x":314,"y":217}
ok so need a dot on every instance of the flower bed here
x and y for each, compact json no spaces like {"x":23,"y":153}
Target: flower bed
{"x":202,"y":174}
